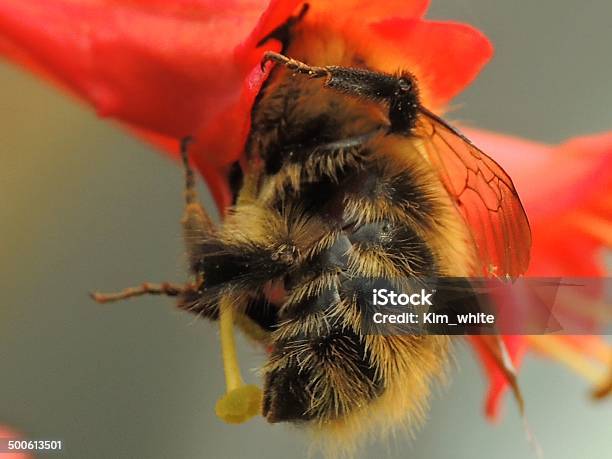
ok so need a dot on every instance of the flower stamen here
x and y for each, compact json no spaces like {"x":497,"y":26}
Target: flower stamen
{"x":241,"y":402}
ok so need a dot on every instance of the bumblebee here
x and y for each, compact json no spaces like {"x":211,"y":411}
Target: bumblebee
{"x":346,"y":179}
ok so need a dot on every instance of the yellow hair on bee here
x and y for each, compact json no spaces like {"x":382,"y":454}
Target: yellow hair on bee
{"x":341,"y":199}
{"x":335,"y":195}
{"x":411,"y":366}
{"x":447,"y":233}
{"x":407,"y":365}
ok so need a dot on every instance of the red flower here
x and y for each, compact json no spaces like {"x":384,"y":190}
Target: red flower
{"x":566,"y":194}
{"x":7,"y":434}
{"x":168,"y":69}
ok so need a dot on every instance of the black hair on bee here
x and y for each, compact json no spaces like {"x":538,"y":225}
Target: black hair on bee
{"x":336,"y":191}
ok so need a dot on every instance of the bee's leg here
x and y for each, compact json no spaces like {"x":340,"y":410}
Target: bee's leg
{"x":296,"y":66}
{"x":400,"y":92}
{"x":196,"y":222}
{"x":146,"y":288}
{"x":241,"y":401}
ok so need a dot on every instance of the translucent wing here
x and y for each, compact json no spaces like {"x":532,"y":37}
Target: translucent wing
{"x":484,"y":194}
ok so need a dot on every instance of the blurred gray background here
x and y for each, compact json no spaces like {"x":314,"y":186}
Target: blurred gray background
{"x":84,"y":206}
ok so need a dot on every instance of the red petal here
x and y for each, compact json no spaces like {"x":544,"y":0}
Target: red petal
{"x":566,"y":193}
{"x":371,"y":11}
{"x":215,"y":177}
{"x":168,"y":68}
{"x":185,"y":67}
{"x":276,"y":13}
{"x":7,"y":434}
{"x":152,"y":70}
{"x":444,"y":56}
{"x":498,"y":384}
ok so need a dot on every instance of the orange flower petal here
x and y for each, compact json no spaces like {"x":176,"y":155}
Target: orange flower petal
{"x":444,"y":56}
{"x":516,"y":347}
{"x":371,"y":11}
{"x":565,"y":190}
{"x":8,"y":434}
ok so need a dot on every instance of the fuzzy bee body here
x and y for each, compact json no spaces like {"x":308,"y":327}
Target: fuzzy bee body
{"x":344,"y":183}
{"x":332,"y":200}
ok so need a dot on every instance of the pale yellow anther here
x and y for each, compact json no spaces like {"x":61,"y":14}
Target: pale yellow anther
{"x":241,"y":402}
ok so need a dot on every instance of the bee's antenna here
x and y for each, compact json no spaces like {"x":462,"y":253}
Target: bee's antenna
{"x":195,"y":222}
{"x":190,"y":190}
